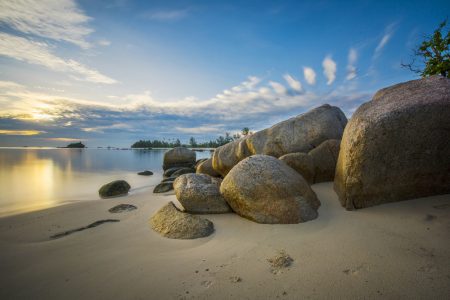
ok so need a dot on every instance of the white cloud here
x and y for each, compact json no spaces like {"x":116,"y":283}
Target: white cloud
{"x":310,"y":75}
{"x":384,"y":40}
{"x":166,"y":15}
{"x":388,"y":32}
{"x":278,"y":88}
{"x":351,"y":69}
{"x":39,"y":53}
{"x":104,"y":42}
{"x":329,"y":69}
{"x":59,"y":20}
{"x":293,"y":83}
{"x":209,"y":128}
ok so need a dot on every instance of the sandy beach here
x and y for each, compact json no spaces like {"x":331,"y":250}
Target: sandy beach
{"x":391,"y":251}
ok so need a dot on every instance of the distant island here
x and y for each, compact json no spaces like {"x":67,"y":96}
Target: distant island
{"x":220,"y":141}
{"x":76,"y":145}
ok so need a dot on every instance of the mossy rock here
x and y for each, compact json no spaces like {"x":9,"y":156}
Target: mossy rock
{"x":114,"y":188}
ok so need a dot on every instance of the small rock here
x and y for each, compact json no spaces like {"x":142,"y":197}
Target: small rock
{"x":114,"y":188}
{"x":145,"y":173}
{"x":182,"y":171}
{"x":235,"y":279}
{"x":163,"y":187}
{"x":121,"y":208}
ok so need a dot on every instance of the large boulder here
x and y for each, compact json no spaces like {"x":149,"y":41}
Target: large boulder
{"x":172,"y":223}
{"x":397,"y":146}
{"x":300,"y":134}
{"x":114,"y":188}
{"x":179,"y":157}
{"x":199,"y":193}
{"x":325,"y":158}
{"x":205,"y":167}
{"x":265,"y":190}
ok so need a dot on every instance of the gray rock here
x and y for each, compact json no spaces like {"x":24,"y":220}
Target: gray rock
{"x":325,"y":158}
{"x":200,"y":193}
{"x":179,"y":157}
{"x":170,"y":222}
{"x":266,"y":190}
{"x":114,"y":188}
{"x":397,"y":146}
{"x":302,"y":163}
{"x":163,"y":187}
{"x":122,"y":208}
{"x":182,"y":171}
{"x":206,"y":167}
{"x":170,"y":171}
{"x":299,"y":134}
{"x":145,"y":173}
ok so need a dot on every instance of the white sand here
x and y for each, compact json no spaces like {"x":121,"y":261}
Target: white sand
{"x":392,"y":251}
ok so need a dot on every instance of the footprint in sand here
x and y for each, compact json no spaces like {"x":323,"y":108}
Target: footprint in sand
{"x":356,"y":271}
{"x":206,"y":283}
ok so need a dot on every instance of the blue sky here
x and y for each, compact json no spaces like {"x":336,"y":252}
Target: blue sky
{"x":113,"y":72}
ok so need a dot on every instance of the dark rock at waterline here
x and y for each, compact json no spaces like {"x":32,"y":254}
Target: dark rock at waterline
{"x":114,"y":188}
{"x":182,"y":171}
{"x":145,"y":173}
{"x":121,"y":208}
{"x":163,"y":187}
{"x":170,"y":171}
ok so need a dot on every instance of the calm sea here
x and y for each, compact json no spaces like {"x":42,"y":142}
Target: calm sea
{"x":36,"y":178}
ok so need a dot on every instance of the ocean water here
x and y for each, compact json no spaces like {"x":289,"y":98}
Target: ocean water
{"x":37,"y":178}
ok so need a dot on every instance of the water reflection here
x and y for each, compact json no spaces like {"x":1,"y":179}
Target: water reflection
{"x":37,"y":178}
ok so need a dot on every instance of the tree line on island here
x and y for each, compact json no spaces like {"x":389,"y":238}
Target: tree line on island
{"x":220,"y":141}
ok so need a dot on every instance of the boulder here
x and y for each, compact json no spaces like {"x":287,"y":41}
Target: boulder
{"x":179,"y":157}
{"x":172,"y":223}
{"x":302,"y":163}
{"x":114,"y":188}
{"x":199,"y":161}
{"x":265,"y":190}
{"x":300,"y":134}
{"x":396,"y":146}
{"x":206,"y":167}
{"x":145,"y":173}
{"x":170,"y":171}
{"x":163,"y":187}
{"x":200,"y":193}
{"x":182,"y":171}
{"x":324,"y":159}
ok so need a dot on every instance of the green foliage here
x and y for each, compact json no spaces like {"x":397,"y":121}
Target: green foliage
{"x":435,"y":54}
{"x":221,"y":140}
{"x":245,"y":131}
{"x":76,"y":145}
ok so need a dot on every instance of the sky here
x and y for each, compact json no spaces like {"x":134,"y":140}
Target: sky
{"x":109,"y":73}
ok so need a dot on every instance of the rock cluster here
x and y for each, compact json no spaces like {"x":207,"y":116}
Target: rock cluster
{"x":300,"y":134}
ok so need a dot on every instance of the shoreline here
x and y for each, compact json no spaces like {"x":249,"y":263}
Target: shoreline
{"x":395,"y":250}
